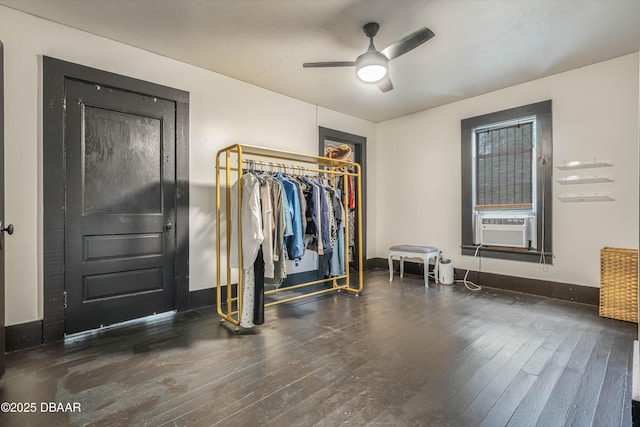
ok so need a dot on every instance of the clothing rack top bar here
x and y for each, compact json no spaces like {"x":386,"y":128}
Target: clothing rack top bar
{"x":252,"y":150}
{"x":298,"y":168}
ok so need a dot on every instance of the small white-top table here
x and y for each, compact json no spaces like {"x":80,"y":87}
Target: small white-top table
{"x":409,"y":251}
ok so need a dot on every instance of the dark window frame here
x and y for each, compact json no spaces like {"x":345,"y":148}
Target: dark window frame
{"x":544,"y":146}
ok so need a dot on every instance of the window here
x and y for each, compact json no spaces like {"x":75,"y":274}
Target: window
{"x":503,"y":160}
{"x":506,"y":182}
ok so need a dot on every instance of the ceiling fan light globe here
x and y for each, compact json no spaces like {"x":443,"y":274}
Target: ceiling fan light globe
{"x":371,"y":67}
{"x":372,"y":73}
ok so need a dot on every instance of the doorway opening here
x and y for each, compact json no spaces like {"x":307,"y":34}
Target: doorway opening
{"x":331,"y":139}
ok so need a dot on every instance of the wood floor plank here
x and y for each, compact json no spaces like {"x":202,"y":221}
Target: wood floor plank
{"x":489,"y":395}
{"x":510,"y":399}
{"x":541,"y":391}
{"x":582,"y":409}
{"x":609,"y":406}
{"x":477,"y":382}
{"x":565,"y":389}
{"x":504,"y":408}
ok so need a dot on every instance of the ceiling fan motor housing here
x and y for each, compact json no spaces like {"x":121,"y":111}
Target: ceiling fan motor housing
{"x":371,"y":29}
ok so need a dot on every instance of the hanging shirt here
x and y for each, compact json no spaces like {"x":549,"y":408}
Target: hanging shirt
{"x":316,"y":214}
{"x":351,"y":193}
{"x":338,"y":207}
{"x":267,"y":228}
{"x":337,"y":262}
{"x":310,"y":231}
{"x":294,"y":244}
{"x":333,"y":228}
{"x":324,"y":219}
{"x":252,"y":236}
{"x":303,"y":203}
{"x":279,"y":257}
{"x":288,"y":209}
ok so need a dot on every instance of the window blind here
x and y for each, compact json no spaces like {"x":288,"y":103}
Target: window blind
{"x":504,"y":158}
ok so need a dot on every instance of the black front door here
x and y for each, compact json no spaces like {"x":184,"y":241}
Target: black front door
{"x":119,"y":205}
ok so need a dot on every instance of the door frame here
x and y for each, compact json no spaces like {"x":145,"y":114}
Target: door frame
{"x":2,"y":217}
{"x":55,"y":72}
{"x":360,"y":143}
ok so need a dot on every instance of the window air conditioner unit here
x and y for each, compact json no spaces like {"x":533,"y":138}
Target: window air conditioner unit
{"x":505,"y":231}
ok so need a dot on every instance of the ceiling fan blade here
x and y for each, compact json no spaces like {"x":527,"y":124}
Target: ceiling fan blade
{"x":385,"y":84}
{"x":329,"y":64}
{"x":407,"y":43}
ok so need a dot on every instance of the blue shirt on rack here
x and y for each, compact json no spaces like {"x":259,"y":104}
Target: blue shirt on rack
{"x":293,"y":242}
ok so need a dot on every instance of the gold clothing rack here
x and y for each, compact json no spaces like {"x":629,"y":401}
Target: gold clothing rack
{"x":230,"y":162}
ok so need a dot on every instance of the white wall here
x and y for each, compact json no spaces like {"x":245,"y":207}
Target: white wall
{"x":223,"y":111}
{"x":595,"y":114}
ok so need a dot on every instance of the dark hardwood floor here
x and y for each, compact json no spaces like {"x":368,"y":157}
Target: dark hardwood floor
{"x":400,"y":355}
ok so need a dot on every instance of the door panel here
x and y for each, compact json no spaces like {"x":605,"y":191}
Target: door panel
{"x":121,"y":168}
{"x":120,"y":205}
{"x":108,"y":285}
{"x":98,"y":248}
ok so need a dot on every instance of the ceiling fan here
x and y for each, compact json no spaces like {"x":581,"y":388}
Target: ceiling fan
{"x":372,"y":66}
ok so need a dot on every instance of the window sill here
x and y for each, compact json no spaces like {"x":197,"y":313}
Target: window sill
{"x":508,"y":254}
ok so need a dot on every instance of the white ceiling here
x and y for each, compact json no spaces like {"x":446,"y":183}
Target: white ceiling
{"x":480,"y":45}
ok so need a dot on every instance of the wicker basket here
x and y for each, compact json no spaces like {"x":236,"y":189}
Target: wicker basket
{"x":619,"y":284}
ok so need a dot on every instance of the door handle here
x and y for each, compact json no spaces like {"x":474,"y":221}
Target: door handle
{"x":8,"y":229}
{"x":169,"y":226}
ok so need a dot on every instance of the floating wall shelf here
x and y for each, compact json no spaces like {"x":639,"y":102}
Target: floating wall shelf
{"x":577,"y":179}
{"x":586,"y":197}
{"x":584,"y":164}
